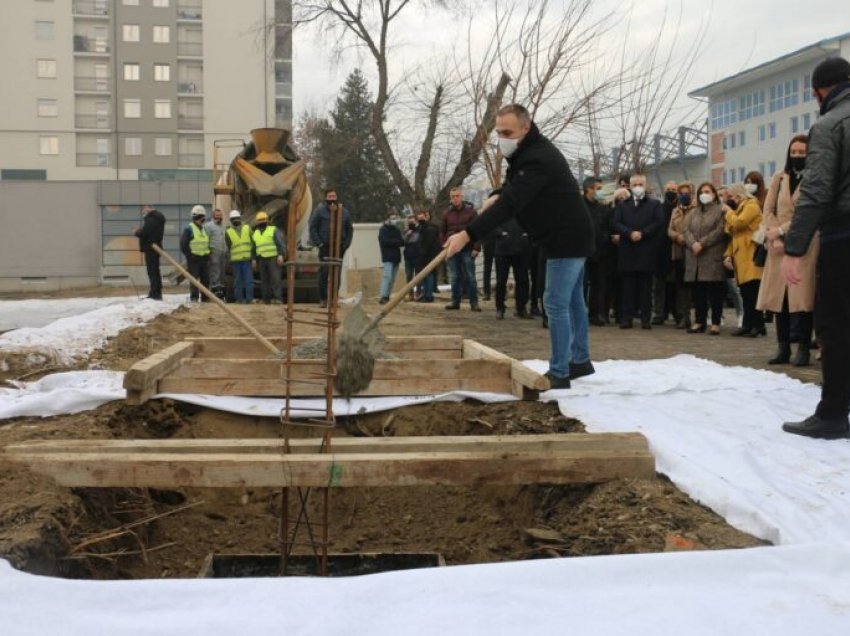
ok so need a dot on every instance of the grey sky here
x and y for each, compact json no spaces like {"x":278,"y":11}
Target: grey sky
{"x":740,"y":35}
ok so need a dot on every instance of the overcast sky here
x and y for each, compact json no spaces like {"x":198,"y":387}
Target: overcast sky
{"x":740,"y":34}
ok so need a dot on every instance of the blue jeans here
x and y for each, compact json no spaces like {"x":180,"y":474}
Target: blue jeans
{"x":428,"y":286}
{"x":243,"y":282}
{"x":390,"y":272}
{"x":564,"y":303}
{"x":462,"y":277}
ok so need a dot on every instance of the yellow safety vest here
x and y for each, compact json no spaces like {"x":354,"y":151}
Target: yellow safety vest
{"x":240,"y":244}
{"x":264,"y":241}
{"x":200,"y":243}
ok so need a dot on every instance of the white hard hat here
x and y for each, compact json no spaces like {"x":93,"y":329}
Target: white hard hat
{"x":198,"y":210}
{"x":235,"y":214}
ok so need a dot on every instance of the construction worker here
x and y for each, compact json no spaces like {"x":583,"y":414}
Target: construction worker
{"x":218,"y":252}
{"x":195,"y":245}
{"x":237,"y":238}
{"x":268,"y":259}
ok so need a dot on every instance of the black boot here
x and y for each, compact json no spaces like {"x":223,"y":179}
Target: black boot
{"x":815,"y":426}
{"x":783,"y":354}
{"x":802,"y":357}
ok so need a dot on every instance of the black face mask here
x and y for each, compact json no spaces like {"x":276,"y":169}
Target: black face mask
{"x":236,"y":222}
{"x":411,"y":225}
{"x":670,"y":197}
{"x":798,"y":163}
{"x":684,"y":200}
{"x":731,"y":203}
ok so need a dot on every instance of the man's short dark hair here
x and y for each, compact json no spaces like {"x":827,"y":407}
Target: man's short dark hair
{"x":517,"y":110}
{"x":589,"y":182}
{"x":329,"y":190}
{"x":830,"y":72}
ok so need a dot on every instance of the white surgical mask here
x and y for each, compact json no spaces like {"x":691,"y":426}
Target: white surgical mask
{"x":638,"y":192}
{"x":752,"y":188}
{"x":600,"y":196}
{"x":706,"y":197}
{"x":508,"y":146}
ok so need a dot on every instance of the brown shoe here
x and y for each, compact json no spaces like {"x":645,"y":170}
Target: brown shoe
{"x":714,"y":330}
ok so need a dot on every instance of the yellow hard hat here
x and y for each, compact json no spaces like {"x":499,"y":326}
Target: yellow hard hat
{"x":262,"y":216}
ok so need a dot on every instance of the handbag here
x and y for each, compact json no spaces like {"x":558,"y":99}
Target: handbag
{"x":760,"y":255}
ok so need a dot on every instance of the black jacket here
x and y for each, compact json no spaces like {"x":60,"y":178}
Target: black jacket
{"x":824,"y":202}
{"x":151,"y":231}
{"x":602,"y":216}
{"x":646,"y":217}
{"x":411,"y":243}
{"x":320,"y":227}
{"x":511,"y":239}
{"x":665,"y":244}
{"x":429,"y":243}
{"x":542,"y":194}
{"x":390,"y":240}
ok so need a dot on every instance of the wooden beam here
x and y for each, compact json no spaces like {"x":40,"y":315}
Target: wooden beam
{"x":524,"y":375}
{"x":224,"y":470}
{"x":556,"y":442}
{"x":402,"y":346}
{"x":144,"y":374}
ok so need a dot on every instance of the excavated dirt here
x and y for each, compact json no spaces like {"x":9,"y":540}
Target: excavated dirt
{"x":134,"y":533}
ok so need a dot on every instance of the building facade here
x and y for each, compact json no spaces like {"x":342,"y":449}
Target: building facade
{"x":137,"y":89}
{"x":753,"y":115}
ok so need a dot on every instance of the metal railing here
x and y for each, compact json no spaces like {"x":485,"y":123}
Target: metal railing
{"x":195,"y":49}
{"x":189,"y":12}
{"x":94,"y":122}
{"x":99,"y":8}
{"x":94,"y":84}
{"x":190,"y":88}
{"x":190,"y":123}
{"x":85,"y":44}
{"x":190,"y":160}
{"x":93,"y":159}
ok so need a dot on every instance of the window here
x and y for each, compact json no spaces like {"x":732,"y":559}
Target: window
{"x":48,"y":108}
{"x":130,"y":3}
{"x":771,"y":129}
{"x":46,"y":69}
{"x":742,"y":138}
{"x":807,"y":122}
{"x":48,"y":145}
{"x":131,"y":71}
{"x":162,"y":72}
{"x":761,"y":168}
{"x":784,"y":94}
{"x":732,"y":140}
{"x":772,"y":167}
{"x":762,"y":133}
{"x":162,"y":147}
{"x":807,"y":88}
{"x":751,"y":105}
{"x":162,"y":108}
{"x":132,"y":146}
{"x":741,"y":174}
{"x":795,"y":125}
{"x":162,"y":4}
{"x":161,"y":34}
{"x":9,"y":174}
{"x":725,"y":143}
{"x":724,"y":113}
{"x":132,"y":108}
{"x":130,"y":32}
{"x":43,"y":30}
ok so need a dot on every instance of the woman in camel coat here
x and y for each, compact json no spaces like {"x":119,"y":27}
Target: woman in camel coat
{"x":795,"y":302}
{"x":686,"y":202}
{"x":705,"y":242}
{"x":741,"y":224}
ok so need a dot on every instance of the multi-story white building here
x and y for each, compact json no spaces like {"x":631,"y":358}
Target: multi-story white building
{"x":753,"y":115}
{"x":137,"y":89}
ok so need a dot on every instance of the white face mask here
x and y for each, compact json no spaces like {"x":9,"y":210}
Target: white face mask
{"x":752,"y":188}
{"x":508,"y":146}
{"x":706,"y":197}
{"x":638,"y":192}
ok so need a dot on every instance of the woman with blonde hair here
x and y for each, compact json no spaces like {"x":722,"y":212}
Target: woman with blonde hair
{"x":705,"y":242}
{"x":685,"y":204}
{"x":741,"y":224}
{"x":795,"y":301}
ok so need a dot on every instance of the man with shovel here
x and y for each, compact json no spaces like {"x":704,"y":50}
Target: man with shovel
{"x":542,"y":194}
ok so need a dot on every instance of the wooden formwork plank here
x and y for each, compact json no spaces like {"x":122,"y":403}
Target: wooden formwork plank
{"x":384,"y":369}
{"x":144,"y":374}
{"x":403,"y":346}
{"x":555,"y":442}
{"x":276,"y":388}
{"x":224,"y":470}
{"x":527,"y":377}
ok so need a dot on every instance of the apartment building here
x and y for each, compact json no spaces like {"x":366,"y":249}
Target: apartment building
{"x":137,"y":89}
{"x":753,"y":115}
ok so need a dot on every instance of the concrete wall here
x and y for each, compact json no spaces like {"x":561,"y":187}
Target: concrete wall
{"x":693,"y":169}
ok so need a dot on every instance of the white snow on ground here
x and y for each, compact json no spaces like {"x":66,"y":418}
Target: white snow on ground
{"x":76,"y":335}
{"x":38,"y":312}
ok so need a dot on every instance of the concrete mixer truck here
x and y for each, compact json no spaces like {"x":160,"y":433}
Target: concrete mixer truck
{"x":266,"y":174}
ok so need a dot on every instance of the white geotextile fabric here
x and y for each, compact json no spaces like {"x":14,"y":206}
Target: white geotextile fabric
{"x":715,"y":431}
{"x":779,"y":591}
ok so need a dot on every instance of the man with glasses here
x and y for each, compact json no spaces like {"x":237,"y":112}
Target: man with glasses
{"x":320,"y":236}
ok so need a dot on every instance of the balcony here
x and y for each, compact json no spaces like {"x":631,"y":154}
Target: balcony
{"x":91,"y":8}
{"x":189,"y":88}
{"x":190,"y":160}
{"x":84,"y":84}
{"x":92,"y":121}
{"x":190,"y":49}
{"x":85,"y":44}
{"x":96,"y":159}
{"x":189,"y":12}
{"x":185,"y":122}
